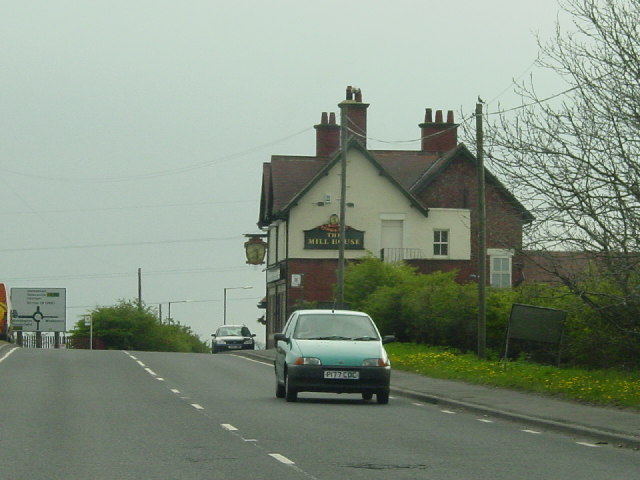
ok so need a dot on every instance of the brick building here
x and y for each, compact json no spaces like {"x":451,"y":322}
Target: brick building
{"x":416,"y":206}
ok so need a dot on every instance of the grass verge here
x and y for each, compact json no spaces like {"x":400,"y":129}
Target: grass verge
{"x":601,"y":387}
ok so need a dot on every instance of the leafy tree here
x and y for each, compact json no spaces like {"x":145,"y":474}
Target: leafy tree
{"x":126,"y":326}
{"x":573,"y":160}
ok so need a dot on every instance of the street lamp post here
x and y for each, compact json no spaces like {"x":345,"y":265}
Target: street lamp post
{"x":224,"y":307}
{"x":169,"y":312}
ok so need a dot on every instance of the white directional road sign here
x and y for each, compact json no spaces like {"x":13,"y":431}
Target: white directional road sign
{"x":39,"y":309}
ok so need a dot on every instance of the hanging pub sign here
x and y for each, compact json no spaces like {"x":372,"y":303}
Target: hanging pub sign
{"x":327,"y":236}
{"x":255,"y":249}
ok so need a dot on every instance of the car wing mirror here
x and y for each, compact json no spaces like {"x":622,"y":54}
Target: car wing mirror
{"x":213,"y":334}
{"x":388,"y":339}
{"x":280,"y":337}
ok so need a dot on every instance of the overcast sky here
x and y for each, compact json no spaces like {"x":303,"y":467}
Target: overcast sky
{"x":132,"y":133}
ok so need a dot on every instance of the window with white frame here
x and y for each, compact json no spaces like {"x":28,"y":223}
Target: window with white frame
{"x":500,"y":263}
{"x":441,"y":243}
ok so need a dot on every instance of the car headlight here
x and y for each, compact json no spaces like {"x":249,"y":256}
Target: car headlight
{"x":375,"y":362}
{"x":248,"y":341}
{"x":307,"y":361}
{"x":219,"y":341}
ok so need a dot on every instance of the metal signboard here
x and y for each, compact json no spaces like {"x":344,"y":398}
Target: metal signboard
{"x":538,"y":324}
{"x":541,"y":324}
{"x":39,"y":309}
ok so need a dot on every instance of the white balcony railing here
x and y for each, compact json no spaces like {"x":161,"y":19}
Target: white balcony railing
{"x":399,"y":254}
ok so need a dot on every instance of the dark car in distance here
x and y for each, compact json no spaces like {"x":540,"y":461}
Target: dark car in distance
{"x":232,"y":337}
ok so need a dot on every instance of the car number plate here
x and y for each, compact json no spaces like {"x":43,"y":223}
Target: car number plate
{"x":342,"y":374}
{"x":235,"y":346}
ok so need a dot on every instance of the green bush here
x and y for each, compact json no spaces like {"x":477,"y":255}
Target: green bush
{"x":125,"y":326}
{"x":436,"y":310}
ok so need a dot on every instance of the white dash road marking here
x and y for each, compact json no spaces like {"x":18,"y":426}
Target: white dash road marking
{"x":151,"y":372}
{"x":175,"y":391}
{"x":197,"y":406}
{"x":485,"y":420}
{"x":535,"y":432}
{"x":229,"y":427}
{"x":418,"y":404}
{"x":586,"y":444}
{"x":282,"y":459}
{"x":448,"y":412}
{"x":140,"y":363}
{"x":160,"y":379}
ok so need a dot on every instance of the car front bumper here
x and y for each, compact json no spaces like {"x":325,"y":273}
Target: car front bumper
{"x":310,"y":378}
{"x":231,"y":347}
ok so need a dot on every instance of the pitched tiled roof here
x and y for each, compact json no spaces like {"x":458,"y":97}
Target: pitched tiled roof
{"x":406,"y":166}
{"x":288,"y":176}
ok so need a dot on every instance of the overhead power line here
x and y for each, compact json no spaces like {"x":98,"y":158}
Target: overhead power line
{"x":159,"y":173}
{"x":128,"y":244}
{"x":130,"y":274}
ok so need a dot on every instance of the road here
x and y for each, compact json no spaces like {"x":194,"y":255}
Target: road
{"x":75,"y":414}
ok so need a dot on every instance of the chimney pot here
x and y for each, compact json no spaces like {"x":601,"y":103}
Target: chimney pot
{"x":438,"y":116}
{"x":428,"y":116}
{"x":323,"y":118}
{"x":358,"y":95}
{"x":450,"y":116}
{"x":332,"y":118}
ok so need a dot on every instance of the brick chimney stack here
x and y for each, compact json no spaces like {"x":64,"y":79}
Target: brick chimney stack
{"x":438,"y":136}
{"x":327,"y":135}
{"x":355,"y":114}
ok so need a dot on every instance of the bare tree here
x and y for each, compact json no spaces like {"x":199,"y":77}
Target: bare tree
{"x":574,"y":159}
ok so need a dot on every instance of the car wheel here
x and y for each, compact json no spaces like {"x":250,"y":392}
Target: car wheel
{"x":367,"y":396}
{"x":280,"y":390}
{"x":382,"y":397}
{"x":215,"y":350}
{"x":291,"y":394}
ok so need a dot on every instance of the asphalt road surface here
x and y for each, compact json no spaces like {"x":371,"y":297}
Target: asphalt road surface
{"x":77,"y":414}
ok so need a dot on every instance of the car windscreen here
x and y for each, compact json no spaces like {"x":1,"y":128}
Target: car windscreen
{"x":229,"y":332}
{"x":335,"y":327}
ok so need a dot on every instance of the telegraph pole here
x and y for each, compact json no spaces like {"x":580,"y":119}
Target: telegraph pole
{"x":139,"y":289}
{"x":482,"y":237}
{"x":343,"y":200}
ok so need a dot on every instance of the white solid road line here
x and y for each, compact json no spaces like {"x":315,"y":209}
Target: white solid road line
{"x":253,"y":360}
{"x":6,"y":355}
